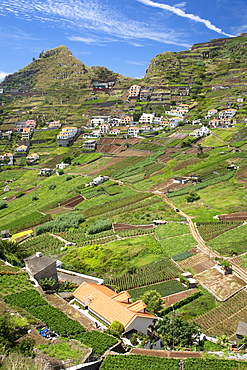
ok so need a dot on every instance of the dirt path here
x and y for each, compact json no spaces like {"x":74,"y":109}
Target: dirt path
{"x":201,"y":244}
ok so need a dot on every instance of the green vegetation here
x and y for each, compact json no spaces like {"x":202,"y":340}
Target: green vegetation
{"x":165,"y":289}
{"x":162,"y":270}
{"x":114,"y":362}
{"x":233,"y":241}
{"x":210,"y":230}
{"x":61,"y":223}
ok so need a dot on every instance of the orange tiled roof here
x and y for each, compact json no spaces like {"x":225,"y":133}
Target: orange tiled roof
{"x":109,"y":305}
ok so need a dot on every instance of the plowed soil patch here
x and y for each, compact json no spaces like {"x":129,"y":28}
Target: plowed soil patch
{"x":233,"y":217}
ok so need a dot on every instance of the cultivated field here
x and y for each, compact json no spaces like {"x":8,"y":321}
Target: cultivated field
{"x":220,"y":285}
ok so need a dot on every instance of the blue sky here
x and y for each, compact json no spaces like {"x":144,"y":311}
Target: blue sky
{"x":122,"y":35}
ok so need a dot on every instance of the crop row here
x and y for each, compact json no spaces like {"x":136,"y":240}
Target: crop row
{"x":166,"y":288}
{"x":150,"y":274}
{"x":142,"y":362}
{"x":25,"y":222}
{"x":133,"y":207}
{"x":209,"y":230}
{"x":201,"y":185}
{"x":134,"y":232}
{"x":223,"y":311}
{"x":44,"y":243}
{"x":11,"y":283}
{"x":113,"y":205}
{"x":57,"y":321}
{"x":134,"y":362}
{"x":182,"y":256}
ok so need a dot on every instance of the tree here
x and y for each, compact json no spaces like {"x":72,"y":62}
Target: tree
{"x":3,"y":204}
{"x":153,"y":301}
{"x":66,"y":159}
{"x":116,"y":327}
{"x":175,"y":332}
{"x":192,"y":196}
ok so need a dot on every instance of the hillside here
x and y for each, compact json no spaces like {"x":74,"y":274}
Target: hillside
{"x":128,"y":189}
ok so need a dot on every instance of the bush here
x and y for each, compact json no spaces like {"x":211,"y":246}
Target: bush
{"x":100,"y":226}
{"x":3,"y":204}
{"x":61,"y":223}
{"x":52,"y":186}
{"x":19,"y":194}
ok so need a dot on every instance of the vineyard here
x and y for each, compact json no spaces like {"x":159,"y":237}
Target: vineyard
{"x":142,"y":362}
{"x":224,"y":318}
{"x":44,"y":243}
{"x":153,"y":273}
{"x":213,"y":364}
{"x":138,"y":362}
{"x":60,"y":323}
{"x":81,"y":239}
{"x":115,"y":204}
{"x":233,"y":241}
{"x":165,"y":289}
{"x":182,"y":256}
{"x":209,"y":230}
{"x":11,"y":282}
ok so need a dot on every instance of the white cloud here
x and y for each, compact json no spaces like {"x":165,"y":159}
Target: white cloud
{"x":86,"y":40}
{"x":181,"y":13}
{"x":3,"y":75}
{"x":92,"y":16}
{"x":136,"y":63}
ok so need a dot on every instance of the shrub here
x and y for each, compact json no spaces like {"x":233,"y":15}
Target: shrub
{"x":52,"y":186}
{"x":19,"y":194}
{"x":3,"y":204}
{"x":100,"y":226}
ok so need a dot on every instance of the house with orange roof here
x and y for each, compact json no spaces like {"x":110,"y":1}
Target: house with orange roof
{"x":22,"y":149}
{"x":110,"y":306}
{"x":26,"y":133}
{"x":7,"y":158}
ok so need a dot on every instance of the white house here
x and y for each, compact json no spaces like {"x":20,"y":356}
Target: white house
{"x":110,"y":306}
{"x":174,"y":121}
{"x":133,"y":131}
{"x":62,"y":165}
{"x":200,"y":132}
{"x":104,"y":128}
{"x":134,"y":91}
{"x":212,"y":112}
{"x":98,"y":120}
{"x":227,"y":113}
{"x":146,"y":118}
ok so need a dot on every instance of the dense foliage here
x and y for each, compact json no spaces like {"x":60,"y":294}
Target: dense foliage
{"x":134,"y":362}
{"x":100,"y":226}
{"x":177,"y":333}
{"x":61,"y":223}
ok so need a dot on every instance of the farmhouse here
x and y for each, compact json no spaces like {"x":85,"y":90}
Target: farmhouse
{"x":99,"y":180}
{"x":41,"y":267}
{"x":46,"y":172}
{"x":108,"y":306}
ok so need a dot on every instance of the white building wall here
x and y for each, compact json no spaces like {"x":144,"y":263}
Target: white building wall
{"x":140,"y":323}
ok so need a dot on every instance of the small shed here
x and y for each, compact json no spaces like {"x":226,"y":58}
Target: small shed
{"x":241,"y":330}
{"x":40,"y":267}
{"x":5,"y":234}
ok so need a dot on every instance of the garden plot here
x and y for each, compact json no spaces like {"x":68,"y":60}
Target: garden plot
{"x":72,"y":202}
{"x":221,"y":286}
{"x":224,"y":319}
